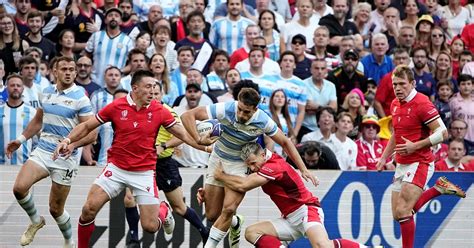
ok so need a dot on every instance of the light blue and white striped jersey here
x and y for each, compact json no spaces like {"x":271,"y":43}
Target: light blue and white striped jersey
{"x":229,"y":35}
{"x":13,"y":122}
{"x":295,"y":90}
{"x":320,"y":96}
{"x":142,"y":8}
{"x":61,"y":111}
{"x":126,"y":82}
{"x":214,"y":82}
{"x":179,"y":80}
{"x":274,"y":48}
{"x":99,"y":99}
{"x":235,"y":135}
{"x":106,"y":52}
{"x":32,"y":96}
{"x":266,"y":85}
{"x":284,"y":128}
{"x":170,"y":7}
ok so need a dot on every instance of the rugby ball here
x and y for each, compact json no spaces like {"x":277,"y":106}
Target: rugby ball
{"x":209,"y":126}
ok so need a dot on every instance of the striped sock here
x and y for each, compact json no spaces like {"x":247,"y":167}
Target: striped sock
{"x":64,"y":224}
{"x":28,"y":205}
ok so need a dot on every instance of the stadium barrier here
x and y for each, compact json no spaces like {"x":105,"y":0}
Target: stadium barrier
{"x":356,"y":206}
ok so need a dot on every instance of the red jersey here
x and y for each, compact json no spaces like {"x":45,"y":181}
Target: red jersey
{"x":410,"y":120}
{"x":133,"y":146}
{"x":384,"y":93}
{"x":445,"y":165}
{"x":440,"y":151}
{"x":369,"y":154}
{"x":285,"y":188}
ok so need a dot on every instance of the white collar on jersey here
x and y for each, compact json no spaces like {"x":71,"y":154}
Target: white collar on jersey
{"x":66,"y":91}
{"x":410,"y":96}
{"x":268,"y":155}
{"x":131,"y":102}
{"x":451,"y":165}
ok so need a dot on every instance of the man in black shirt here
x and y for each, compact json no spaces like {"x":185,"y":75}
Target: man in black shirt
{"x":316,"y":156}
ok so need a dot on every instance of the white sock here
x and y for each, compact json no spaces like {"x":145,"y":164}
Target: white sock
{"x":215,"y":237}
{"x":64,"y":224}
{"x":235,"y":221}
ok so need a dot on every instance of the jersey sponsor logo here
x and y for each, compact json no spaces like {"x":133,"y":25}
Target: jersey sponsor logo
{"x":68,"y":102}
{"x":124,"y":115}
{"x":150,"y":116}
{"x":108,"y":173}
{"x":135,"y":124}
{"x":432,"y":111}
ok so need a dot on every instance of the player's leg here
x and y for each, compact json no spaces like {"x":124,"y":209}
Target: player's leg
{"x":232,"y":200}
{"x":408,"y":196}
{"x":213,"y":201}
{"x":57,"y":200}
{"x":263,"y":235}
{"x":442,"y":187}
{"x":29,"y":174}
{"x":131,"y":213}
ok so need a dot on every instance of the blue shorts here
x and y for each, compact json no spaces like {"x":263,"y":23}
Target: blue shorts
{"x":167,"y":174}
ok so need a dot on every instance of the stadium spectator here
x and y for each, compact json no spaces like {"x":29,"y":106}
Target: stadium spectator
{"x":454,"y":18}
{"x":137,"y":61}
{"x":462,"y":104}
{"x":316,"y":156}
{"x":202,"y":47}
{"x":251,"y":32}
{"x":66,"y":44}
{"x":438,"y":44}
{"x":361,"y":18}
{"x":443,"y":70}
{"x":32,"y":92}
{"x":303,"y":63}
{"x":128,"y":22}
{"x":412,"y":12}
{"x":23,"y":7}
{"x":16,"y":115}
{"x":369,"y":148}
{"x":392,"y":24}
{"x":385,"y":94}
{"x":338,"y":25}
{"x":271,"y":33}
{"x":347,"y":43}
{"x":346,"y":77}
{"x":456,"y":47}
{"x":248,"y":10}
{"x":3,"y":89}
{"x":269,"y":66}
{"x":444,"y":91}
{"x":232,"y":78}
{"x":378,"y":63}
{"x":230,"y":39}
{"x":143,"y":41}
{"x":84,"y":20}
{"x":302,"y":25}
{"x":425,"y":82}
{"x":279,"y":112}
{"x":282,"y":7}
{"x":195,"y":77}
{"x":326,"y":123}
{"x":456,"y":151}
{"x":376,"y":16}
{"x":158,"y":65}
{"x":320,"y":9}
{"x":164,"y":46}
{"x":99,"y":99}
{"x":264,"y":5}
{"x":83,"y":78}
{"x":186,"y":57}
{"x":295,"y":90}
{"x":319,"y":50}
{"x":423,"y":31}
{"x":72,"y":107}
{"x":216,"y":79}
{"x":458,"y":130}
{"x":321,"y":93}
{"x":347,"y":148}
{"x":265,"y":80}
{"x":354,"y":104}
{"x":11,"y":46}
{"x":36,"y":53}
{"x":467,"y":36}
{"x":406,"y":38}
{"x":155,"y":13}
{"x":109,"y":46}
{"x":186,"y":155}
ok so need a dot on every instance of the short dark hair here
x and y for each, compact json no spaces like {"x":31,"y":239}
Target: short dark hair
{"x":464,"y":77}
{"x":112,"y":68}
{"x":63,"y":58}
{"x":34,"y":13}
{"x":458,"y":141}
{"x":12,"y":76}
{"x":186,"y":48}
{"x":135,"y":51}
{"x":287,"y":52}
{"x":139,"y":75}
{"x":466,"y":53}
{"x":256,"y":49}
{"x":125,"y":1}
{"x":244,"y":83}
{"x":399,"y":50}
{"x":320,"y":111}
{"x":219,"y":52}
{"x":120,"y":90}
{"x":249,"y":96}
{"x":193,"y":14}
{"x":419,"y":48}
{"x":311,"y":147}
{"x":241,"y":1}
{"x":26,"y":60}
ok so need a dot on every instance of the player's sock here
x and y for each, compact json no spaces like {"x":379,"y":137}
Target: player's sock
{"x":28,"y":205}
{"x":132,"y":219}
{"x":163,"y":212}
{"x":425,"y":197}
{"x":235,"y":221}
{"x":267,"y":241}
{"x":407,"y":225}
{"x":64,"y":224}
{"x":84,"y":232}
{"x":345,"y":243}
{"x":194,"y":219}
{"x":215,"y":236}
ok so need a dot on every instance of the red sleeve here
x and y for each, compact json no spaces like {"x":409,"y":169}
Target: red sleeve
{"x":106,"y":114}
{"x":381,"y":93}
{"x":427,"y":112}
{"x":270,"y":171}
{"x":167,"y":119}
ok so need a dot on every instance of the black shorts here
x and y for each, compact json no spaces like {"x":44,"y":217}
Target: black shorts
{"x":167,"y":174}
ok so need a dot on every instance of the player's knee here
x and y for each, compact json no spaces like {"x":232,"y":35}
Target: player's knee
{"x":89,"y":212}
{"x":19,"y":191}
{"x":228,"y":211}
{"x":251,"y":234}
{"x":56,"y":210}
{"x":401,"y":211}
{"x":179,"y":207}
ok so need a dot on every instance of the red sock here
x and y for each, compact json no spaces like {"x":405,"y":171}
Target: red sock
{"x":163,"y":212}
{"x":425,"y":197}
{"x":345,"y":243}
{"x":407,"y":225}
{"x":267,"y":241}
{"x":84,"y":233}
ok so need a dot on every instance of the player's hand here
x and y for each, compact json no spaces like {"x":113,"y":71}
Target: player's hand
{"x":308,"y":176}
{"x":12,"y":147}
{"x":219,"y":171}
{"x":381,"y":164}
{"x":159,"y":150}
{"x":207,"y":140}
{"x":64,"y":150}
{"x":200,"y":196}
{"x":405,"y":149}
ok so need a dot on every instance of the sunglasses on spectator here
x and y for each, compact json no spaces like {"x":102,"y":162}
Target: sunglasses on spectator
{"x":437,"y":35}
{"x":373,"y":126}
{"x":259,"y":46}
{"x":351,"y":58}
{"x":298,"y":42}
